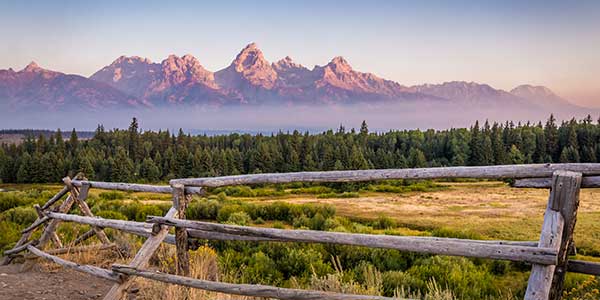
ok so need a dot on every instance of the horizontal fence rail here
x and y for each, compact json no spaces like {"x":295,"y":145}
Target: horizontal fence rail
{"x":548,"y":255}
{"x":252,"y":290}
{"x":490,"y":172}
{"x":586,"y":182}
{"x":431,"y":245}
{"x":135,"y":187}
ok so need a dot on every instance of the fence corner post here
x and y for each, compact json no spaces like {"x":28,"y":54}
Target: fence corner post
{"x":568,"y":184}
{"x":180,"y":202}
{"x":546,"y":282}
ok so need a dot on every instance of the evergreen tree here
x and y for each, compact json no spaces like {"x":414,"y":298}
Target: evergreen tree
{"x":26,"y":169}
{"x":134,"y":141}
{"x":416,"y":158}
{"x":149,"y":171}
{"x":122,"y":168}
{"x":515,"y":156}
{"x":498,"y":148}
{"x":569,"y":155}
{"x":357,"y":160}
{"x":551,"y":134}
{"x":478,"y":155}
{"x":73,"y":142}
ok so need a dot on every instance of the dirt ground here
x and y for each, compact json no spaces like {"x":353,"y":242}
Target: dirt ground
{"x":49,"y":284}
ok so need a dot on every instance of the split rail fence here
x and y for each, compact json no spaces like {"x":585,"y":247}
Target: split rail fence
{"x":549,"y":256}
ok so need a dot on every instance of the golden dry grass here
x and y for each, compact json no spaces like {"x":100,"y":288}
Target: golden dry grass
{"x":492,"y":210}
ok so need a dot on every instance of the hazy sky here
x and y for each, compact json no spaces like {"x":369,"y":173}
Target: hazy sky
{"x":502,"y":43}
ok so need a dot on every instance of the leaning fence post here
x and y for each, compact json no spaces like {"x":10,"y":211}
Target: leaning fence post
{"x":569,"y":186}
{"x":181,"y":237}
{"x":546,"y":282}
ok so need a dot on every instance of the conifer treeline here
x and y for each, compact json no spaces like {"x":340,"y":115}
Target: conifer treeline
{"x":134,"y":156}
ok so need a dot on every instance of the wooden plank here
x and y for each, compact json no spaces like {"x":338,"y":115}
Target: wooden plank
{"x":81,"y":249}
{"x":37,"y":223}
{"x":134,"y":187}
{"x":541,"y":277}
{"x":89,"y":269}
{"x":544,"y":183}
{"x":431,"y":245}
{"x":54,"y":237}
{"x":20,"y":248}
{"x":251,"y":290}
{"x":584,"y":267}
{"x":144,"y":229}
{"x":51,"y":227}
{"x":181,"y":236}
{"x":219,"y":236}
{"x":26,"y":235}
{"x":492,"y":172}
{"x":87,"y":235}
{"x":141,"y":258}
{"x":55,"y":198}
{"x":568,"y":184}
{"x":85,"y":209}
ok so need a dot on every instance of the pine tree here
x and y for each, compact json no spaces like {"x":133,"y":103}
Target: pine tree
{"x":357,"y":160}
{"x":515,"y":156}
{"x":4,"y":161}
{"x":122,"y":167}
{"x":73,"y":142}
{"x":60,"y":144}
{"x":478,"y":157}
{"x":498,"y":148}
{"x":551,"y":134}
{"x":134,"y":140}
{"x":25,"y":172}
{"x":149,"y":171}
{"x":569,"y":155}
{"x":416,"y":158}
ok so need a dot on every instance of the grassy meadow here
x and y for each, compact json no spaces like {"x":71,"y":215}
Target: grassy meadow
{"x":463,"y":209}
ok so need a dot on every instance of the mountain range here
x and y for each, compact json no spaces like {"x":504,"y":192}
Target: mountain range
{"x":131,"y":82}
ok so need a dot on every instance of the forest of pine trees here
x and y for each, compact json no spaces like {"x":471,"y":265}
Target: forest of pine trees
{"x":134,"y":156}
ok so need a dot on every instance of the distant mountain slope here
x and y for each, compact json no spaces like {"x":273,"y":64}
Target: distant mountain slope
{"x":250,"y":80}
{"x":542,"y":96}
{"x":36,"y":88}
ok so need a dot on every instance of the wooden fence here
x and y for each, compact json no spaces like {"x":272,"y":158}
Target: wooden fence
{"x":549,"y":256}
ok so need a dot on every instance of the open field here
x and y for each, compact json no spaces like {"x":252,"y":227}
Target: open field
{"x":477,"y":210}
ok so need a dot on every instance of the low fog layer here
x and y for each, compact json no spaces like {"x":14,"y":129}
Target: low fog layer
{"x":380,"y":117}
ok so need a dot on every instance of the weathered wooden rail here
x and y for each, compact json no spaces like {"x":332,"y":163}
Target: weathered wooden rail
{"x":548,"y":256}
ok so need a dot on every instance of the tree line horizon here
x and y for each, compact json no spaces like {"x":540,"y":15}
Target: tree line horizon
{"x":129,"y":155}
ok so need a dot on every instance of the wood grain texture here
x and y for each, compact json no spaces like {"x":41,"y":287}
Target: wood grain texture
{"x":181,"y":235}
{"x":565,"y":188}
{"x":85,"y":209}
{"x":492,"y":172}
{"x":567,"y":185}
{"x":134,"y":187}
{"x":584,"y":267}
{"x":55,"y":198}
{"x":431,"y":245}
{"x":92,"y":270}
{"x":252,"y":290}
{"x":140,"y":260}
{"x":544,"y":183}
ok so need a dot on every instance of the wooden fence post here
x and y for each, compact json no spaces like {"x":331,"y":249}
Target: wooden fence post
{"x":181,"y":237}
{"x":142,"y":257}
{"x":546,"y":282}
{"x":85,"y":210}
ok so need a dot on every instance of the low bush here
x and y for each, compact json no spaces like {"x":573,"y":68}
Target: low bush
{"x":20,"y":215}
{"x":112,"y":195}
{"x":339,"y":195}
{"x":239,"y":218}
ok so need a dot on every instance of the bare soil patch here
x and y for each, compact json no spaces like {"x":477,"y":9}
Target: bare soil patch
{"x":40,"y":284}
